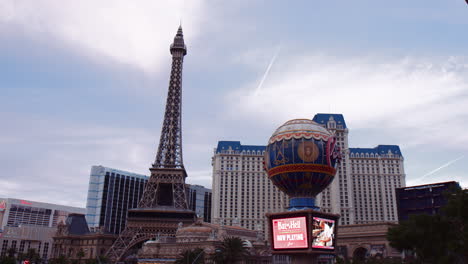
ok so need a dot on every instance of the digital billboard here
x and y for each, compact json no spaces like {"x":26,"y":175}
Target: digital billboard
{"x":323,"y":232}
{"x":290,"y":233}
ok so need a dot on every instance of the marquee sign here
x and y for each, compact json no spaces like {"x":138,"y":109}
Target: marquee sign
{"x":303,"y":231}
{"x":290,"y":233}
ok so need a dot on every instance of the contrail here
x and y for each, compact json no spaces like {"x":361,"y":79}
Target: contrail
{"x":439,"y":168}
{"x":267,"y":71}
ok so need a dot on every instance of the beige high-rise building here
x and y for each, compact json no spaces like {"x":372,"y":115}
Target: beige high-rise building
{"x":376,"y":173}
{"x":242,"y":192}
{"x":363,"y":191}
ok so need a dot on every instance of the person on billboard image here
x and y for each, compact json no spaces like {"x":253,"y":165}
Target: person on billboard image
{"x":323,"y":233}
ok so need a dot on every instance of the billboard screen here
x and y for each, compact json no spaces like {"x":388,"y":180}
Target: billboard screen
{"x":290,"y":233}
{"x":323,"y":233}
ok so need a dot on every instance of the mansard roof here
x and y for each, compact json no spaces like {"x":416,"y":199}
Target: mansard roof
{"x":322,"y":119}
{"x":237,"y":146}
{"x":76,"y":224}
{"x":379,"y":150}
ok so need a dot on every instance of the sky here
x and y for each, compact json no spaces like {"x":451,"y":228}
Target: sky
{"x":84,"y":83}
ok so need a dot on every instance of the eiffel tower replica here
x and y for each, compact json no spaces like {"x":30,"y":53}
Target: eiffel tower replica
{"x":163,"y":205}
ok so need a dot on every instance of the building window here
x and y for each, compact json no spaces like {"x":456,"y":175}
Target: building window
{"x":21,"y":248}
{"x":4,"y":248}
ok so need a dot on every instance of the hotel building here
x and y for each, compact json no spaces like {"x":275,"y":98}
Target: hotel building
{"x":242,"y":192}
{"x":363,"y":191}
{"x":28,"y":225}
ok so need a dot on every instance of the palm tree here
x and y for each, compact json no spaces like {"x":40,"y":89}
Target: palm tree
{"x":102,"y":260}
{"x":21,"y":257}
{"x":7,"y":260}
{"x":33,"y":256}
{"x":191,"y":256}
{"x":231,"y":250}
{"x":60,"y":260}
{"x":80,"y":254}
{"x":12,"y":252}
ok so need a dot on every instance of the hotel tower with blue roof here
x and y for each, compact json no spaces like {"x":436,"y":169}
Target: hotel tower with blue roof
{"x":364,"y":191}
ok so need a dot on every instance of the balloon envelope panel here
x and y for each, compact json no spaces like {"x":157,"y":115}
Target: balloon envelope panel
{"x":300,"y":158}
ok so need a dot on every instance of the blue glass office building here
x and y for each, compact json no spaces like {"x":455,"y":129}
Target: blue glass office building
{"x":422,"y":199}
{"x":112,"y":192}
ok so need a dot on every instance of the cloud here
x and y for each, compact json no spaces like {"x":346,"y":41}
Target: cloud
{"x":200,"y":177}
{"x":457,"y":176}
{"x":55,"y":156}
{"x":437,"y":169}
{"x":130,"y":32}
{"x":418,"y":99}
{"x":55,"y":160}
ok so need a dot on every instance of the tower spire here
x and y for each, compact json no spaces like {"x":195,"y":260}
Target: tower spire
{"x":169,"y":153}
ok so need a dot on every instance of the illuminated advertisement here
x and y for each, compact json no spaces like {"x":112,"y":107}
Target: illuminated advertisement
{"x":290,"y":233}
{"x":2,"y":205}
{"x":323,"y":232}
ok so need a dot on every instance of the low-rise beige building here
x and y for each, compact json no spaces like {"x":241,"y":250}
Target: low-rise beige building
{"x":365,"y":240}
{"x":206,"y":236}
{"x":25,"y":237}
{"x":74,"y":236}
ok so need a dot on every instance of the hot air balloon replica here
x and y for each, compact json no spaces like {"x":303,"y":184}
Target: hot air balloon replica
{"x":301,"y":160}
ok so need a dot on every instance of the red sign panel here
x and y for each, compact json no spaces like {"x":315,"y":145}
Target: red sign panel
{"x":290,"y":233}
{"x":25,"y":202}
{"x":2,"y":205}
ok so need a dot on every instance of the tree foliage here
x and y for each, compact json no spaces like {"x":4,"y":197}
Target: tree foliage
{"x":439,"y":238}
{"x":189,"y":256}
{"x":12,"y":252}
{"x":33,"y":256}
{"x":80,"y":254}
{"x":96,"y":260}
{"x":231,"y":250}
{"x":7,"y":260}
{"x":456,"y":212}
{"x":60,"y":260}
{"x":13,"y":257}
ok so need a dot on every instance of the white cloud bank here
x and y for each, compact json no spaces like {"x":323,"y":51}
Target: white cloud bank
{"x":56,"y":159}
{"x":131,"y":32}
{"x":418,"y":99}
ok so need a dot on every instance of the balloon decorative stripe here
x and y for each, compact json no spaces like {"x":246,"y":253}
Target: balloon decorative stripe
{"x":302,"y":168}
{"x":299,"y":135}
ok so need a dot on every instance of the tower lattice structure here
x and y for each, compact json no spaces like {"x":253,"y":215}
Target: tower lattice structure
{"x":163,"y":205}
